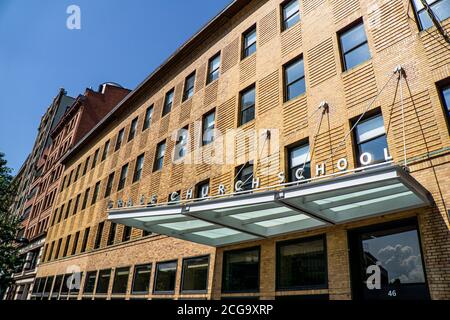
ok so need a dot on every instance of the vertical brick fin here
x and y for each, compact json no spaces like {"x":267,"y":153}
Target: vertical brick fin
{"x":321,"y":62}
{"x":176,"y":176}
{"x":295,"y":116}
{"x":170,"y":144}
{"x":164,"y":125}
{"x":310,"y":5}
{"x":185,"y":111}
{"x":155,"y":183}
{"x":158,"y":110}
{"x":178,"y":94}
{"x":245,"y":142}
{"x":230,"y":55}
{"x":389,"y":24}
{"x":142,"y":141}
{"x":343,"y":8}
{"x":360,"y":85}
{"x":226,"y":115}
{"x":268,"y":28}
{"x":268,"y":93}
{"x":114,"y":159}
{"x":211,"y":93}
{"x":291,"y":39}
{"x":201,"y":78}
{"x":247,"y":69}
{"x":421,"y":129}
{"x":202,"y":169}
{"x":225,"y":179}
{"x":436,"y":48}
{"x":148,"y":163}
{"x":268,"y":169}
{"x":325,"y":144}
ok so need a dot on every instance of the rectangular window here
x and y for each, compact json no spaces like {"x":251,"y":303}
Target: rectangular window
{"x":85,"y":240}
{"x":105,"y":150}
{"x":168,"y":102}
{"x":109,"y":185}
{"x":119,"y":139}
{"x":48,"y":286}
{"x":181,"y":145}
{"x":291,"y":13}
{"x":244,"y":175}
{"x":86,"y":166}
{"x":126,"y":236}
{"x":58,"y":248}
{"x":202,"y":190}
{"x":75,"y":243}
{"x":208,"y":127}
{"x":148,"y":118}
{"x":69,"y":205}
{"x":123,"y":177}
{"x":98,"y":238}
{"x":94,"y":161}
{"x":294,"y":79}
{"x":299,"y":162}
{"x":354,"y":46}
{"x":138,"y":168}
{"x":189,"y":85}
{"x":112,"y":234}
{"x":213,"y":68}
{"x":247,"y":106}
{"x":249,"y":42}
{"x":195,"y":274}
{"x":57,"y":286}
{"x":89,"y":282}
{"x":440,"y":8}
{"x":302,"y":264}
{"x":65,"y":287}
{"x":159,"y":157}
{"x":241,"y":270}
{"x":66,"y":246}
{"x":77,"y":203}
{"x":77,"y":173}
{"x":445,"y":97}
{"x":141,"y":281}
{"x":370,"y":137}
{"x":85,"y":200}
{"x":121,"y":281}
{"x":104,"y":276}
{"x":133,"y":129}
{"x":165,"y":277}
{"x":95,"y":195}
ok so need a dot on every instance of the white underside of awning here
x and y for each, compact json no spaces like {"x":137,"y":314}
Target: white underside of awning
{"x":260,"y":215}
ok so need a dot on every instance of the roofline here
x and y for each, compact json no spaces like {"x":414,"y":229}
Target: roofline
{"x":234,"y":5}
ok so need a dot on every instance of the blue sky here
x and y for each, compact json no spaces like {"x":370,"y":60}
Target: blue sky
{"x":120,"y":40}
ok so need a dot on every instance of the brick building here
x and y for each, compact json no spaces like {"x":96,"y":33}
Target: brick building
{"x":290,"y":149}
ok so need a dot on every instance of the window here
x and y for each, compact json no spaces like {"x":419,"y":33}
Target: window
{"x":105,"y":150}
{"x":247,"y":106}
{"x":94,"y":161}
{"x":75,"y":243}
{"x":181,"y":145}
{"x":445,"y":96}
{"x":370,"y":137}
{"x":69,"y":205}
{"x":48,"y":286}
{"x":119,"y":139}
{"x":301,"y":264}
{"x":165,"y":277}
{"x":249,"y":42}
{"x":208,"y":126}
{"x":98,"y":238}
{"x":77,"y":173}
{"x":112,"y":234}
{"x":95,"y":195}
{"x":66,"y":247}
{"x":291,"y":13}
{"x":440,"y":8}
{"x":123,"y":177}
{"x":104,"y":277}
{"x":141,"y":281}
{"x":148,"y":118}
{"x":121,"y":281}
{"x":299,"y":162}
{"x":57,"y":286}
{"x":241,"y":270}
{"x":126,"y":236}
{"x":89,"y":283}
{"x":85,"y":240}
{"x":213,"y":68}
{"x":85,"y":200}
{"x":86,"y":166}
{"x":189,"y":85}
{"x":294,"y":79}
{"x":109,"y":185}
{"x":58,"y":248}
{"x":65,"y":287}
{"x":138,"y":169}
{"x":195,"y":274}
{"x":77,"y":202}
{"x":354,"y":46}
{"x":159,"y":158}
{"x":168,"y":102}
{"x":202,"y":190}
{"x":244,"y":174}
{"x":133,"y":129}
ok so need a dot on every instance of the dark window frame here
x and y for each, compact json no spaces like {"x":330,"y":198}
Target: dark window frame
{"x":109,"y":184}
{"x":210,"y":76}
{"x":171,"y":292}
{"x":156,"y":163}
{"x":119,"y":139}
{"x":137,"y":175}
{"x":205,"y":128}
{"x":188,"y":92}
{"x":284,"y":19}
{"x":132,"y":291}
{"x":114,"y":281}
{"x":96,"y":192}
{"x":123,"y":177}
{"x":182,"y":291}
{"x":442,"y":86}
{"x":286,"y":85}
{"x":417,"y":13}
{"x":346,"y":29}
{"x":167,"y":106}
{"x":106,"y":150}
{"x":246,"y":48}
{"x":98,"y":280}
{"x":99,"y":235}
{"x":133,"y":129}
{"x":241,"y":110}
{"x":301,"y":143}
{"x":148,"y":118}
{"x":89,"y":275}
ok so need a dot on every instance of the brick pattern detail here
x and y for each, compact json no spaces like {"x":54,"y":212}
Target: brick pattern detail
{"x":321,"y":62}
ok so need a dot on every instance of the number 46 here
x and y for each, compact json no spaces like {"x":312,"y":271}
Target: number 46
{"x":392,"y":293}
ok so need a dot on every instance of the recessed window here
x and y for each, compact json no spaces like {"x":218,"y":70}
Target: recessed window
{"x":244,"y":176}
{"x":159,"y":157}
{"x":241,"y":270}
{"x":370,"y":137}
{"x":119,"y":139}
{"x":121,"y":280}
{"x":94,"y":161}
{"x":301,"y":264}
{"x":75,"y":243}
{"x":77,"y":202}
{"x":58,"y":248}
{"x":181,"y":145}
{"x":98,"y":238}
{"x":105,"y":150}
{"x":202,"y":190}
{"x":249,"y":42}
{"x":165,"y":277}
{"x":299,"y":162}
{"x":354,"y":46}
{"x":141,"y":281}
{"x":213,"y":68}
{"x":77,"y":173}
{"x":65,"y":288}
{"x":208,"y":126}
{"x":104,"y":276}
{"x":138,"y":168}
{"x":69,"y":205}
{"x":148,"y":118}
{"x":195,"y":274}
{"x":85,"y":240}
{"x":66,"y":246}
{"x":112,"y":234}
{"x":133,"y":129}
{"x":290,"y":13}
{"x":445,"y":96}
{"x":189,"y":85}
{"x":247,"y":106}
{"x":85,"y":199}
{"x":123,"y":177}
{"x":95,"y":195}
{"x":126,"y":236}
{"x":86,"y":166}
{"x":109,"y":185}
{"x":168,"y":102}
{"x":440,"y":8}
{"x":48,"y":286}
{"x":294,"y":79}
{"x":57,"y":286}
